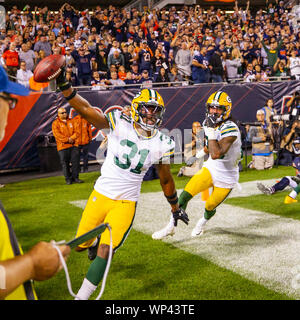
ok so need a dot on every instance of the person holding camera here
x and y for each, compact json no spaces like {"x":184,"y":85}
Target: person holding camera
{"x":289,"y":145}
{"x":294,"y":102}
{"x":291,"y":117}
{"x":262,"y":143}
{"x":269,"y":110}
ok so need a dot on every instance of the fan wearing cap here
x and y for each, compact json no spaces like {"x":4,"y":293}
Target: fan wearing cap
{"x":42,"y":261}
{"x":262,"y":143}
{"x":287,"y":181}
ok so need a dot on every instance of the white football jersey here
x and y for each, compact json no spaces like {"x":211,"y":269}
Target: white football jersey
{"x":225,"y":171}
{"x":129,"y":156}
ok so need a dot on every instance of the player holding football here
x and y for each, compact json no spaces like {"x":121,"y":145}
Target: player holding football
{"x":220,"y":171}
{"x":134,"y":144}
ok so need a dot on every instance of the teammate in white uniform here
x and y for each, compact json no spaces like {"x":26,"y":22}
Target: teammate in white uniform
{"x":220,"y":171}
{"x":134,"y":144}
{"x":224,"y":170}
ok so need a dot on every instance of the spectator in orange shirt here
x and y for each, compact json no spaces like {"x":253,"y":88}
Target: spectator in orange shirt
{"x":83,"y":131}
{"x":122,"y":73}
{"x":64,"y":132}
{"x":11,"y":59}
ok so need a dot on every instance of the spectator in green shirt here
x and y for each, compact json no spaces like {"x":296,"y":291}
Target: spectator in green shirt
{"x":280,"y":68}
{"x":271,"y":52}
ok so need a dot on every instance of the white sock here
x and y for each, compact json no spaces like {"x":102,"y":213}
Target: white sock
{"x":293,"y":194}
{"x":171,"y":223}
{"x":202,"y":222}
{"x":86,"y":290}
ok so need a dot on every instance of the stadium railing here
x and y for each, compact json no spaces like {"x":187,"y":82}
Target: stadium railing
{"x":52,"y":85}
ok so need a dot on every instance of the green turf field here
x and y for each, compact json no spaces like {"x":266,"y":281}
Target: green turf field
{"x":142,"y":268}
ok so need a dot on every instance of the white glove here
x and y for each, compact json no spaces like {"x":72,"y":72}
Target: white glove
{"x":200,"y":154}
{"x":211,"y":133}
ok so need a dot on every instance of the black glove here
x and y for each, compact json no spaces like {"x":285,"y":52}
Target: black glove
{"x":189,"y":162}
{"x":211,"y":120}
{"x":180,"y":214}
{"x":61,"y":81}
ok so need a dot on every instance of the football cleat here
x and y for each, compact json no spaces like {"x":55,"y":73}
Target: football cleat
{"x":266,"y":190}
{"x":169,"y":230}
{"x":180,"y":172}
{"x":92,"y":251}
{"x":199,"y":229}
{"x":288,"y":200}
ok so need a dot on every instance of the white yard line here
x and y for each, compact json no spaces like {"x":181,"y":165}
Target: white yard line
{"x":259,"y":246}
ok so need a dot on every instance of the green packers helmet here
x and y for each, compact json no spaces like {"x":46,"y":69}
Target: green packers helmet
{"x":222,"y":100}
{"x":148,"y":103}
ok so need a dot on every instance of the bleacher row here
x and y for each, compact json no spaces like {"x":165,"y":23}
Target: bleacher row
{"x":113,"y":48}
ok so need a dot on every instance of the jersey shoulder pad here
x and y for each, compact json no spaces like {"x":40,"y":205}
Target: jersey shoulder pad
{"x":113,"y":117}
{"x":166,"y":140}
{"x":168,"y":146}
{"x":125,"y":118}
{"x":228,"y":128}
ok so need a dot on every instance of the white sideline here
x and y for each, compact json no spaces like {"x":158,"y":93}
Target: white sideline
{"x":259,"y":246}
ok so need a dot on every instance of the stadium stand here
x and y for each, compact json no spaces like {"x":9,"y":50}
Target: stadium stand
{"x":205,"y":44}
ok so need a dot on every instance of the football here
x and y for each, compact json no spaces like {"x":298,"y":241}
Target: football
{"x":48,"y":68}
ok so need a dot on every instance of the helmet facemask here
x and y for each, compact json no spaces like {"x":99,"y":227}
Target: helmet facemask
{"x":218,"y":118}
{"x":149,"y":111}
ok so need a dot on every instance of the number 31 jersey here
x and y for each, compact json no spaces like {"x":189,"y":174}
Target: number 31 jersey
{"x":129,"y":156}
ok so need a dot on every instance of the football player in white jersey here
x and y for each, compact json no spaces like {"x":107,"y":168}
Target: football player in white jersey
{"x":220,"y":171}
{"x":134,"y":144}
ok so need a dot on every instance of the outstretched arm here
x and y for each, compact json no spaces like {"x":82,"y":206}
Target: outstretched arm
{"x":81,"y":105}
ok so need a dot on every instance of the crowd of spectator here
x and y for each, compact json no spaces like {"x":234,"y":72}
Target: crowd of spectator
{"x":112,"y":46}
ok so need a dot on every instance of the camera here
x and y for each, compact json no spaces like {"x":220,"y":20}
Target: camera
{"x":280,"y":117}
{"x":254,"y":124}
{"x":288,"y":117}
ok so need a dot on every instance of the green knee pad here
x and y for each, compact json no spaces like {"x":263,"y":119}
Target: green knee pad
{"x":184,"y":198}
{"x":209,"y":214}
